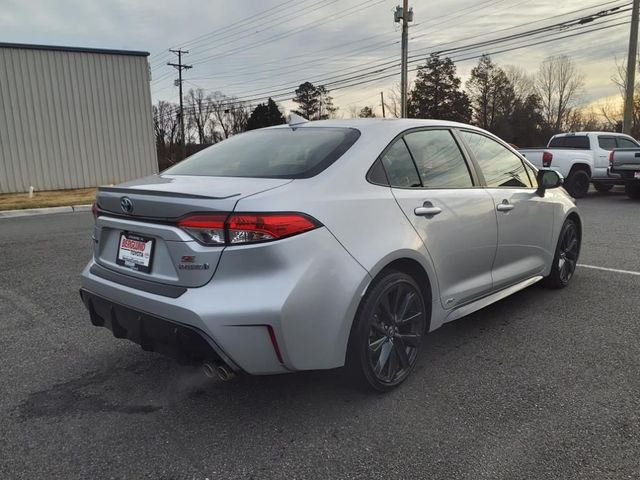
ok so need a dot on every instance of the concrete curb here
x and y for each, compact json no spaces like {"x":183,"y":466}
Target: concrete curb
{"x":28,"y":212}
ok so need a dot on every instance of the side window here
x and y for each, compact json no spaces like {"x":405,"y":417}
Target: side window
{"x":500,"y":166}
{"x":607,"y":143}
{"x":399,"y":166}
{"x":439,"y":159}
{"x":626,"y":143}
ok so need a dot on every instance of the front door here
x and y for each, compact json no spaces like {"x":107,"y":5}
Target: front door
{"x":525,"y":220}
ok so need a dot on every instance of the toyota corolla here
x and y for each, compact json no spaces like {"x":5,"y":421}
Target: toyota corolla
{"x":317,"y":245}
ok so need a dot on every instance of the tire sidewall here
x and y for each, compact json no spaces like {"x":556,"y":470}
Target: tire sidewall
{"x":578,"y":184}
{"x":357,"y":353}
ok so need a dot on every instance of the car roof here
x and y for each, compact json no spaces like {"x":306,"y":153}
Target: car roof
{"x":387,"y":125}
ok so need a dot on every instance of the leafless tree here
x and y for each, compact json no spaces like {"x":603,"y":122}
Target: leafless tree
{"x":199,"y":111}
{"x":166,"y":124}
{"x":523,"y":83}
{"x":558,"y":84}
{"x":392,"y":101}
{"x":230,"y":115}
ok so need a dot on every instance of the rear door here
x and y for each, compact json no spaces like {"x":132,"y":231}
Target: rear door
{"x":525,"y":220}
{"x":436,"y":190}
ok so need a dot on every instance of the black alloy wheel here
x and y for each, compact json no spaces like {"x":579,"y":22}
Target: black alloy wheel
{"x":388,"y":332}
{"x":566,"y":256}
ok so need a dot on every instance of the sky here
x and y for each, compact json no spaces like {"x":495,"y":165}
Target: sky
{"x":253,"y":48}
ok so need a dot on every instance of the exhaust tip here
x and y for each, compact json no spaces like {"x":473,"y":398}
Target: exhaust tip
{"x":216,"y":370}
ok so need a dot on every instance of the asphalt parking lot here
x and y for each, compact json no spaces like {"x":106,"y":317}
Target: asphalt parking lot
{"x":543,"y":385}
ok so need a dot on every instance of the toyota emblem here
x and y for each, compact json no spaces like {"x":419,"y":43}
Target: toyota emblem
{"x":126,"y":204}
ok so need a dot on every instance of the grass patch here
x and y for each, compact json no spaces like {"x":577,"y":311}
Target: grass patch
{"x":54,"y":198}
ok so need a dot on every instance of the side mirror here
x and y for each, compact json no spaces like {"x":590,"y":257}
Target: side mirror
{"x":548,"y":178}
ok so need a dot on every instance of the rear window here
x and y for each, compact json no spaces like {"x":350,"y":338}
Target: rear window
{"x":570,"y":142}
{"x":271,"y":153}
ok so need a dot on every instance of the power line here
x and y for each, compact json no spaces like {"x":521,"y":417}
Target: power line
{"x":358,"y":71}
{"x":339,"y":85}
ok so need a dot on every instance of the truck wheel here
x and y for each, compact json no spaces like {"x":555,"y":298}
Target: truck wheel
{"x":632,"y":189}
{"x":578,"y":183}
{"x":602,"y":187}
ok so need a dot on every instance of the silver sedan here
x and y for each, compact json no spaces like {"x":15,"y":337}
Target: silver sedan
{"x":317,"y":245}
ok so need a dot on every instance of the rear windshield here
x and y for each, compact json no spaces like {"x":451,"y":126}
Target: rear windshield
{"x":271,"y":153}
{"x":571,"y":142}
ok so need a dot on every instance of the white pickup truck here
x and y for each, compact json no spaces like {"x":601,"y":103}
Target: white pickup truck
{"x":581,"y":158}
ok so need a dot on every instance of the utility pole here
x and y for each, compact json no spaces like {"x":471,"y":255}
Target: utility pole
{"x":405,"y":15}
{"x":179,"y":66}
{"x":631,"y":69}
{"x":382,"y":103}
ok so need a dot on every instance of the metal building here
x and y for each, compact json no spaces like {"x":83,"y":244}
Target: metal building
{"x":73,"y":117}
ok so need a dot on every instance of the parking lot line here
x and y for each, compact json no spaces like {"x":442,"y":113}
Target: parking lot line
{"x":615,"y":270}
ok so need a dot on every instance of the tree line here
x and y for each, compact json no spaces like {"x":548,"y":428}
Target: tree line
{"x":523,"y":109}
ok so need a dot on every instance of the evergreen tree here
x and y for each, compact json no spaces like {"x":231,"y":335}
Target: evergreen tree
{"x":315,"y":103}
{"x":492,"y":96}
{"x":437,"y":93}
{"x":366,"y":112}
{"x":265,"y":115}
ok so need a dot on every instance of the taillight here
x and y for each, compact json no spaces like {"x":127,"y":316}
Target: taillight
{"x":94,"y":210}
{"x":546,"y":159}
{"x":207,"y":229}
{"x":611,"y":159}
{"x":243,"y":228}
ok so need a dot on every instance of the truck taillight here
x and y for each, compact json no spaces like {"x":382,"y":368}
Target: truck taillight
{"x":611,"y":159}
{"x":547,"y":157}
{"x":244,"y":228}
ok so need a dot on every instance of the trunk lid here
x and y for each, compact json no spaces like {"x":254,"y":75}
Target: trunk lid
{"x":148,"y":210}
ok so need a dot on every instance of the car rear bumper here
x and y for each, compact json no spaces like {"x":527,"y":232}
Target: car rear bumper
{"x":154,"y":334}
{"x":270,"y":308}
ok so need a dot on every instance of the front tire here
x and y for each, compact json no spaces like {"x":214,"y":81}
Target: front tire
{"x":578,"y":183}
{"x":387,"y":332}
{"x":566,"y":256}
{"x":632,"y":189}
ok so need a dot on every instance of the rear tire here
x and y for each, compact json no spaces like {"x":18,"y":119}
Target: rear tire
{"x":387,"y":332}
{"x":578,"y":183}
{"x":632,"y":189}
{"x":602,"y":187}
{"x":566,"y":256}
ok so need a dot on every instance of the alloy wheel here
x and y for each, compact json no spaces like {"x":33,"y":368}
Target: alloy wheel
{"x":568,"y":257}
{"x":396,"y":332}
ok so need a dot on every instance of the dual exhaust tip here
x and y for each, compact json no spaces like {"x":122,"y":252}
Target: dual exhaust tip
{"x":218,"y":370}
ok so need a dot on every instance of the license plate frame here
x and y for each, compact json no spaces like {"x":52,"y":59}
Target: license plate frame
{"x":131,"y":256}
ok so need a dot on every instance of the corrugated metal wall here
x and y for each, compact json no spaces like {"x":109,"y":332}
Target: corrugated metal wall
{"x":73,"y":119}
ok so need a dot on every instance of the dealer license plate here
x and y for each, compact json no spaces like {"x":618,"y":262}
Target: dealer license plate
{"x":135,"y":252}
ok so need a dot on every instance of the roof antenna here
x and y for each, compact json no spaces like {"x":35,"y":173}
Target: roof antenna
{"x":295,"y":120}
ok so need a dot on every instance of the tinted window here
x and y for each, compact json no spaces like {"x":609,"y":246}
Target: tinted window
{"x":500,"y":166}
{"x":399,"y":166}
{"x":439,"y":160}
{"x":626,"y":143}
{"x":571,"y":142}
{"x":271,"y":153}
{"x":607,"y":143}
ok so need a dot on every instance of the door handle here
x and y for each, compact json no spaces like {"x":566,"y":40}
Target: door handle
{"x":427,"y":210}
{"x":505,"y":206}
